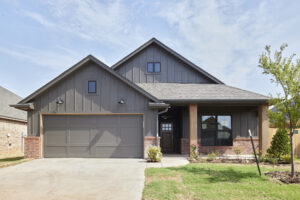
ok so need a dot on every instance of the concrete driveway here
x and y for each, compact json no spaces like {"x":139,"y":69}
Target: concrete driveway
{"x":73,"y":178}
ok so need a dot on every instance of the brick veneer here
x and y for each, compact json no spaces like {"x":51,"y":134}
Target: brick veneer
{"x":243,"y":143}
{"x":148,"y":142}
{"x":184,"y":146}
{"x":32,"y":147}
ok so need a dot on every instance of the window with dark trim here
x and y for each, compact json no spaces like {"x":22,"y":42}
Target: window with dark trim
{"x":216,"y":130}
{"x":92,"y":87}
{"x":153,"y":67}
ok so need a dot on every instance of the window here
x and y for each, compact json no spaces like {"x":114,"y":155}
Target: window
{"x":153,"y":67}
{"x":166,"y":127}
{"x":92,"y":87}
{"x":216,"y":130}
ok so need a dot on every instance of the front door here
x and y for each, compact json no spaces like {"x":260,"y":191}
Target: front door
{"x":166,"y":130}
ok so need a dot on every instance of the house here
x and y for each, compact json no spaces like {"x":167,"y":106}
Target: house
{"x":13,"y":125}
{"x":153,"y":96}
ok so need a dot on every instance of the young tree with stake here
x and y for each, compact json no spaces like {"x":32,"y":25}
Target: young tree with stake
{"x":285,"y":72}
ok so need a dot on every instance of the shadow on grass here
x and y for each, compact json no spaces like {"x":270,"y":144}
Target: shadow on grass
{"x":219,"y":175}
{"x":11,"y":159}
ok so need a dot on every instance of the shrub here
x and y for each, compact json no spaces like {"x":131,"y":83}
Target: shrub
{"x":211,"y":156}
{"x":286,"y":158}
{"x":194,"y":155}
{"x":280,"y":144}
{"x":154,"y":154}
{"x":237,"y":150}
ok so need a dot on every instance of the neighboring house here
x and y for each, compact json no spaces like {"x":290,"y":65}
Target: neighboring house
{"x":13,"y":124}
{"x":92,"y":110}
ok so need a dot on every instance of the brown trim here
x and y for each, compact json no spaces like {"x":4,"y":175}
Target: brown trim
{"x":86,"y":114}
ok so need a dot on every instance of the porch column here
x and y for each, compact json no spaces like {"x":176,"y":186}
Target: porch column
{"x":263,"y":128}
{"x":193,"y":124}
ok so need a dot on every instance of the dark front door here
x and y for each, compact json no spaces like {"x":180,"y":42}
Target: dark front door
{"x":166,"y":130}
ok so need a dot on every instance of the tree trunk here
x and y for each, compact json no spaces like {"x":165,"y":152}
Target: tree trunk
{"x":292,"y":154}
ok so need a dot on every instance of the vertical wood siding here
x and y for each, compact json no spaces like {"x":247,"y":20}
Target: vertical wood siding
{"x":172,"y":69}
{"x":73,"y":90}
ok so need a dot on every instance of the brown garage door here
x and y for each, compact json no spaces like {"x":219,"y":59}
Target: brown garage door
{"x":103,"y":136}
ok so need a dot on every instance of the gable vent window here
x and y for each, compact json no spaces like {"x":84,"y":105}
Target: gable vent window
{"x":153,"y":67}
{"x":92,"y":87}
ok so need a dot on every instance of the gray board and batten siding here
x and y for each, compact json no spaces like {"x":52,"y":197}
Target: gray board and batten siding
{"x":72,"y":89}
{"x":173,"y":70}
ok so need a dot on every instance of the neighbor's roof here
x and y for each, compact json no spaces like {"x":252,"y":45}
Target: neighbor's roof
{"x":178,"y":92}
{"x":7,"y":112}
{"x":172,"y":52}
{"x":76,"y":67}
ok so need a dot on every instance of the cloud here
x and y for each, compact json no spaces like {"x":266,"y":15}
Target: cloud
{"x":98,"y":21}
{"x":39,"y":18}
{"x":226,"y":37}
{"x":53,"y":59}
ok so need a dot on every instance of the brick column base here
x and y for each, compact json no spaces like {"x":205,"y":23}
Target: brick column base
{"x":184,"y":145}
{"x":148,"y":142}
{"x":32,"y":147}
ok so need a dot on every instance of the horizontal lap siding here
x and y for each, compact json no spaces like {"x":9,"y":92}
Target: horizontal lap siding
{"x":73,"y":90}
{"x":172,"y":69}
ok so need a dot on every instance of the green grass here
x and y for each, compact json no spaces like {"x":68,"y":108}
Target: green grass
{"x":5,"y":162}
{"x":214,"y":181}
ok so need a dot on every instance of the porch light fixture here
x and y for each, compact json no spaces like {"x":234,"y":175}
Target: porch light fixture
{"x":122,"y":101}
{"x":59,"y":101}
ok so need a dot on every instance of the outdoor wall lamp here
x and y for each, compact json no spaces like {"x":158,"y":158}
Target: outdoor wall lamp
{"x":59,"y":101}
{"x":122,"y":101}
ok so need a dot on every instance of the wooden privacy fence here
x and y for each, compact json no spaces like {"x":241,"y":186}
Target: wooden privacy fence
{"x":296,"y":138}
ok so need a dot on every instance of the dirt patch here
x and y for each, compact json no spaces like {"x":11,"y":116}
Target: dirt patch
{"x":176,"y":178}
{"x":284,"y":177}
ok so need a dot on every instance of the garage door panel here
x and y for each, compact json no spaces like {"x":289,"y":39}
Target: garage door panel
{"x":56,"y":151}
{"x":106,"y":136}
{"x":93,"y":136}
{"x":56,"y":137}
{"x":79,"y":136}
{"x":79,"y":150}
{"x":128,"y":138}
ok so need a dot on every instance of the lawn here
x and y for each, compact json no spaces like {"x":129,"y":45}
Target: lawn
{"x":5,"y":162}
{"x":214,"y":181}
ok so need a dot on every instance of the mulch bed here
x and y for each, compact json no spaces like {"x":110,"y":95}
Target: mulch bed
{"x":233,"y":161}
{"x":285,"y":177}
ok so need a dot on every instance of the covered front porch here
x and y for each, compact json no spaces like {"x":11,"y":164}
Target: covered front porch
{"x":216,"y":127}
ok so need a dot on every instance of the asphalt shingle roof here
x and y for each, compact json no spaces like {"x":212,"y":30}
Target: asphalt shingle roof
{"x":7,"y":98}
{"x":200,"y":92}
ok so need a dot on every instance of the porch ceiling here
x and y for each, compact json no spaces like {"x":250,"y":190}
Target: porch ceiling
{"x":177,"y":92}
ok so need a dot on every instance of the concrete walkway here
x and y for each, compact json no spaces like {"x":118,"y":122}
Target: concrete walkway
{"x":74,"y":178}
{"x":170,"y":161}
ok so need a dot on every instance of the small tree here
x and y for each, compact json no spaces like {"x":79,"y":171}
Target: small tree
{"x":280,"y":145}
{"x":286,"y":73}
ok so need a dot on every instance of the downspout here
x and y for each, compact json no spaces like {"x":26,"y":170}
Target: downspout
{"x":157,"y":129}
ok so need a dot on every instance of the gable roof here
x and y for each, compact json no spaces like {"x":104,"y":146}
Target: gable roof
{"x":78,"y":65}
{"x":7,"y":112}
{"x":172,"y":52}
{"x":178,"y":92}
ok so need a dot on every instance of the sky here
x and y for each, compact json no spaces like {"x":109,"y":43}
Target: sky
{"x":41,"y":39}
